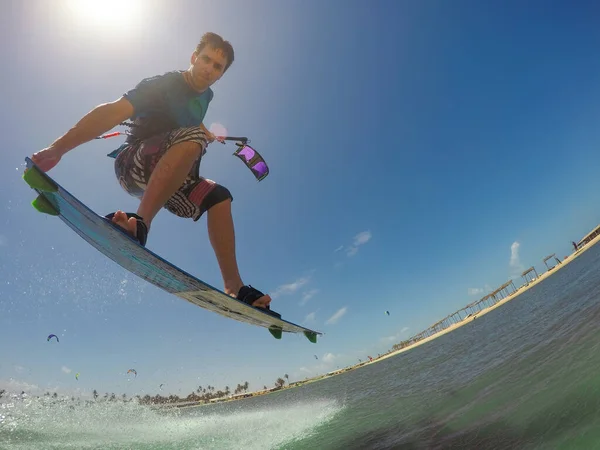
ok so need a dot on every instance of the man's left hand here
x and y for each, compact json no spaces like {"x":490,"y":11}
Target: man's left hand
{"x":210,"y":137}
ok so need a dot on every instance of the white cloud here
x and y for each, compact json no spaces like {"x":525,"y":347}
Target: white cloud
{"x":337,"y":316}
{"x":307,"y":296}
{"x":65,"y":369}
{"x":310,"y":318}
{"x":328,"y":358}
{"x":360,"y":239}
{"x":515,"y":260}
{"x":396,"y":337}
{"x":13,"y":386}
{"x":17,"y":386}
{"x":352,"y":251}
{"x":475,"y":291}
{"x":290,"y":288}
{"x":324,"y":364}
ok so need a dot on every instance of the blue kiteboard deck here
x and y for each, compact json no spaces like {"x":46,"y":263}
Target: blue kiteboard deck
{"x":128,"y":253}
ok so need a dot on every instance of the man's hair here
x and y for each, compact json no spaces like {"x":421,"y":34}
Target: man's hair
{"x":217,"y":42}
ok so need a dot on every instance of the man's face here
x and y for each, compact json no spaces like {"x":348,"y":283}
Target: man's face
{"x":207,"y":67}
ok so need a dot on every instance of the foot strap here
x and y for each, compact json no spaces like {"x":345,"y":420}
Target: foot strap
{"x":249,"y":295}
{"x":141,"y":231}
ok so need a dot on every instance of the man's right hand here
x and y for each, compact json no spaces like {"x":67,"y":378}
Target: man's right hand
{"x":47,"y":158}
{"x":98,"y":121}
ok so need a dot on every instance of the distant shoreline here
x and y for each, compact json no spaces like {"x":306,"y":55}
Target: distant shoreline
{"x":453,"y":327}
{"x":505,"y":300}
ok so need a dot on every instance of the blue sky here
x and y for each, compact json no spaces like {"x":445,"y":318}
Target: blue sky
{"x":416,"y":149}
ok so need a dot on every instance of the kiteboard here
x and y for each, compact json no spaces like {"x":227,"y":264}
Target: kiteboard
{"x":123,"y":249}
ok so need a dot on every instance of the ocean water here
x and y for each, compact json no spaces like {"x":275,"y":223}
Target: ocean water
{"x":524,"y":376}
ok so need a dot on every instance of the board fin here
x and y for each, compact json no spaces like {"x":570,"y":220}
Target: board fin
{"x":43,"y":205}
{"x":311,"y":336}
{"x":275,"y":332}
{"x":38,"y":180}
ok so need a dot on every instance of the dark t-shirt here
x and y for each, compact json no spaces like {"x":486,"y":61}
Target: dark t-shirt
{"x":164,"y":103}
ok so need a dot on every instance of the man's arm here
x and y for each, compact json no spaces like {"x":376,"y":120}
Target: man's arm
{"x":98,"y":121}
{"x":210,"y":137}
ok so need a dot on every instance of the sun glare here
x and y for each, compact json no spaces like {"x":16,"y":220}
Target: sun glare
{"x":106,"y":13}
{"x":218,"y":129}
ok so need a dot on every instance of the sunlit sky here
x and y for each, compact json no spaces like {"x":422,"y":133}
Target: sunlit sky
{"x":421,"y":154}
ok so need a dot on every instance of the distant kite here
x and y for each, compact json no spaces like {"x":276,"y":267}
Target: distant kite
{"x":161,"y":385}
{"x":387,"y":313}
{"x":132,"y":371}
{"x":77,"y":376}
{"x":53,"y":336}
{"x":316,"y":357}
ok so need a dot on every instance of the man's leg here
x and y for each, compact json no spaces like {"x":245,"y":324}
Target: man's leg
{"x":167,"y":177}
{"x":222,"y":237}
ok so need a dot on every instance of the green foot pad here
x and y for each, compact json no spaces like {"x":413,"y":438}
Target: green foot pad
{"x":312,"y":337}
{"x":37,"y":180}
{"x":43,"y":205}
{"x":275,"y":332}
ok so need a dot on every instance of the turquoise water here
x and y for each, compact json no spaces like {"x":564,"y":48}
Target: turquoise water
{"x":524,"y":376}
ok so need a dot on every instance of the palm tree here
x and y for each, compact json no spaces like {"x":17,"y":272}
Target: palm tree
{"x":287,"y":377}
{"x":280,"y":382}
{"x":95,"y":393}
{"x":124,"y":396}
{"x":245,"y":386}
{"x":265,"y":388}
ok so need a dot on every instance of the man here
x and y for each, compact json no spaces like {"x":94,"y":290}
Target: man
{"x":159,"y":162}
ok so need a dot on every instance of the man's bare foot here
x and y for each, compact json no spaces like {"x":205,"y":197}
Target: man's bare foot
{"x":129,"y":224}
{"x":262,"y":302}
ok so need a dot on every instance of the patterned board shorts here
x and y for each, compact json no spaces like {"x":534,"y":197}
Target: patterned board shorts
{"x":135,"y":162}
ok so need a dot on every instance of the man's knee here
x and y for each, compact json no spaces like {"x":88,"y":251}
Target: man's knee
{"x":218,"y":195}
